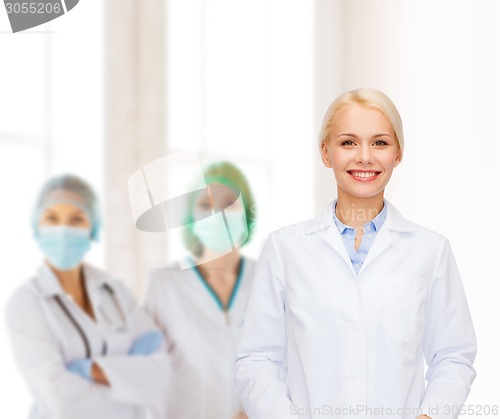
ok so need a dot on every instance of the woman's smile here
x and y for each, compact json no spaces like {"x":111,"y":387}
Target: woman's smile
{"x":364,"y":175}
{"x":362,"y":149}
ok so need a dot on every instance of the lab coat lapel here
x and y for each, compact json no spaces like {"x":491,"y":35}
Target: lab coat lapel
{"x":105,"y":302}
{"x":383,"y":240}
{"x":387,"y":236}
{"x":325,"y":225}
{"x":93,"y":284}
{"x":47,"y":282}
{"x":333,"y":238}
{"x":102,"y":302}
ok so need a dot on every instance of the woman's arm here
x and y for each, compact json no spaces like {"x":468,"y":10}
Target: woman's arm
{"x":449,"y":341}
{"x":59,"y":393}
{"x":260,"y":361}
{"x":135,"y":379}
{"x":98,"y":375}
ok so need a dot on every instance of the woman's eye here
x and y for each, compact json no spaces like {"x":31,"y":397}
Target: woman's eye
{"x":51,"y":218}
{"x":231,"y":202}
{"x":77,"y":220}
{"x":204,"y":205}
{"x":380,"y":142}
{"x":348,"y":142}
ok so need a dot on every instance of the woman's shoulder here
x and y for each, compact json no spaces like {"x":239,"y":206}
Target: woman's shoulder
{"x":298,"y":230}
{"x":168,"y":275}
{"x":95,"y":272}
{"x":101,"y":281}
{"x":425,"y":234}
{"x":102,"y":277}
{"x":25,"y":297}
{"x":175,"y":274}
{"x":422,"y":240}
{"x":249,"y":266}
{"x":294,"y":234}
{"x":249,"y":262}
{"x":428,"y":232}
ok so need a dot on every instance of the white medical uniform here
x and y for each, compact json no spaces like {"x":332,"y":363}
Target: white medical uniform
{"x":202,"y":341}
{"x":320,"y":342}
{"x":48,"y":331}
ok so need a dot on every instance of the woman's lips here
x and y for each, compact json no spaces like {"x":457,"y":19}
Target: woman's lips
{"x":362,"y":176}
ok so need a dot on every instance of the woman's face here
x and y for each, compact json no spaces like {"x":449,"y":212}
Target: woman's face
{"x":64,"y":214}
{"x":362,"y":150}
{"x":219,"y":235}
{"x":219,"y":197}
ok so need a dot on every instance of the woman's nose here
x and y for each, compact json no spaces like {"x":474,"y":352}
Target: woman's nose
{"x":364,"y":154}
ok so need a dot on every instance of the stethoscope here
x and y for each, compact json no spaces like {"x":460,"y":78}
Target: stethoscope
{"x":79,"y":329}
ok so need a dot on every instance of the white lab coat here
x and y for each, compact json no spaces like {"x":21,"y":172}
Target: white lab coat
{"x":201,"y":342}
{"x":319,"y":342}
{"x":44,"y":341}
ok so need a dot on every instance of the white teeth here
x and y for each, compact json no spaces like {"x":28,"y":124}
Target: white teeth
{"x":363,"y":174}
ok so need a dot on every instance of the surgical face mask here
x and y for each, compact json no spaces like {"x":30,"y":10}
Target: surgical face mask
{"x":215,"y":235}
{"x":64,"y":246}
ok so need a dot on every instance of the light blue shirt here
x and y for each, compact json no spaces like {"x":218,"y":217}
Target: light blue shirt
{"x":348,"y":235}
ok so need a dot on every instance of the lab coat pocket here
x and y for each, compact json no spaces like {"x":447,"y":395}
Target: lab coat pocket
{"x":404,"y":308}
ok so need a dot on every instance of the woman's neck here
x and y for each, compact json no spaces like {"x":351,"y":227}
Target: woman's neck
{"x":221,"y":275}
{"x":70,"y":280}
{"x":356,"y":212}
{"x":224,"y":264}
{"x":72,"y":283}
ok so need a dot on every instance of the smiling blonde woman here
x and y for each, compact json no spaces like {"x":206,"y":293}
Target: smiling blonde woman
{"x":346,"y":307}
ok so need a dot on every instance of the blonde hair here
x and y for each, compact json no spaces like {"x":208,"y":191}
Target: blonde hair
{"x":369,"y":98}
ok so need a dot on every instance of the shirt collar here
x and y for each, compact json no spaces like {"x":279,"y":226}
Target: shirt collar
{"x":394,"y":220}
{"x":375,"y":222}
{"x":49,"y":285}
{"x":47,"y":281}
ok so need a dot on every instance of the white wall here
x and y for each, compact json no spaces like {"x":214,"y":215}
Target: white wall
{"x":250,"y":81}
{"x":240,"y":87}
{"x":440,"y":63}
{"x":51,"y":108}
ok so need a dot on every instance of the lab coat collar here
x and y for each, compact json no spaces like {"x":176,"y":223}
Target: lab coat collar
{"x":375,"y":222}
{"x":394,"y":222}
{"x":49,"y":285}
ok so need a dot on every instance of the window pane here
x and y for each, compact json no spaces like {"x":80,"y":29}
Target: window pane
{"x":23,"y":83}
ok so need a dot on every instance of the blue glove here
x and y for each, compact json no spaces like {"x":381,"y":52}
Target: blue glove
{"x":146,"y":344}
{"x":81,"y":367}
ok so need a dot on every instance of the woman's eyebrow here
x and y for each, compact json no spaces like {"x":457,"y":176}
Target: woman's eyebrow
{"x":348,"y":134}
{"x":78,"y":212}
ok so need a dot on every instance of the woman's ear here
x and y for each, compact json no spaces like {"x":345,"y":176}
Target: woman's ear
{"x":324,"y":156}
{"x":397,"y":160}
